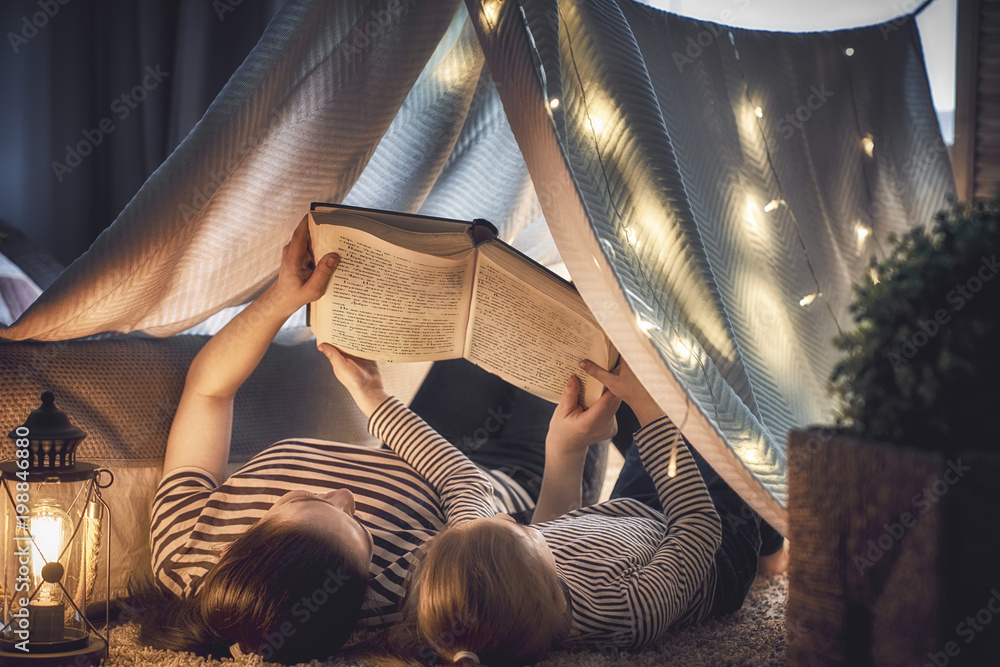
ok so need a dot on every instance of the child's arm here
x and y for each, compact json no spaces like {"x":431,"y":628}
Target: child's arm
{"x":466,"y":493}
{"x":664,"y":588}
{"x":202,"y":427}
{"x":571,"y":431}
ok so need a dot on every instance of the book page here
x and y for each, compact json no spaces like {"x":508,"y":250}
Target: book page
{"x":388,"y":303}
{"x":529,"y":338}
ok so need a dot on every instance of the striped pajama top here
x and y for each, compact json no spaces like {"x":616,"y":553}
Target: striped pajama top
{"x":631,"y":571}
{"x":402,"y":505}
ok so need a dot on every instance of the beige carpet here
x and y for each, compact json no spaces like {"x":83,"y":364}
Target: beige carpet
{"x":753,"y":636}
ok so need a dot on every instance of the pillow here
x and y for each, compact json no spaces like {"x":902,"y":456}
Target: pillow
{"x":40,"y":268}
{"x":19,"y":288}
{"x":17,"y":291}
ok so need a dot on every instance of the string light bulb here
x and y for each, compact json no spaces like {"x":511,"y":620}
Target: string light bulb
{"x":672,"y":465}
{"x":873,"y":274}
{"x":849,"y":51}
{"x":773,"y":204}
{"x":807,"y":299}
{"x":863,"y":233}
{"x":757,"y":111}
{"x":751,"y":214}
{"x":554,"y":103}
{"x":683,"y":347}
{"x":647,"y":325}
{"x":869,"y":145}
{"x":492,"y":10}
{"x":630,"y":235}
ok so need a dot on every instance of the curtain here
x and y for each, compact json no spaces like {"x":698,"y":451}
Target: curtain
{"x":648,"y":145}
{"x":68,"y":67}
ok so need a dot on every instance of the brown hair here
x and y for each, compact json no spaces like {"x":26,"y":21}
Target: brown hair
{"x":277,"y":591}
{"x":479,"y":588}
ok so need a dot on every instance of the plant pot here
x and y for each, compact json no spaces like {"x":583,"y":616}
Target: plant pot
{"x":895,"y":554}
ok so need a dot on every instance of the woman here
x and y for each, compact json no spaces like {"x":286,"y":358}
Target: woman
{"x":614,"y":574}
{"x":309,"y":537}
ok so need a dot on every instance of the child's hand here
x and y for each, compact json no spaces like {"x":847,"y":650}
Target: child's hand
{"x":573,"y":428}
{"x":299,"y":280}
{"x":361,"y":377}
{"x":623,"y":383}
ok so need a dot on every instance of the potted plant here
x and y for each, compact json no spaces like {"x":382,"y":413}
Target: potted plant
{"x":894,"y":513}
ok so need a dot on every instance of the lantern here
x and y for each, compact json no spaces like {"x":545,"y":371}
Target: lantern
{"x":53,"y":515}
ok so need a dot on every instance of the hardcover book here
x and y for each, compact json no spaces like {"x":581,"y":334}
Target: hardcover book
{"x":417,"y":288}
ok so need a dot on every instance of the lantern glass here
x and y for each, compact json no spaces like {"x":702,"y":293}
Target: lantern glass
{"x":51,"y":537}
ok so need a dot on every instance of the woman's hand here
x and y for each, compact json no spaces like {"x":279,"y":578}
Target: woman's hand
{"x":623,"y":383}
{"x":573,"y":428}
{"x":201,"y":432}
{"x":300,"y":281}
{"x":361,"y":377}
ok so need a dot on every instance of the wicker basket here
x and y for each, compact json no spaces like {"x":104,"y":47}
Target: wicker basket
{"x":892,"y":551}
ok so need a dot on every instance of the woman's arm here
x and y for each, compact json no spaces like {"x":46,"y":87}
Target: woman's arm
{"x":571,"y":431}
{"x":202,"y":427}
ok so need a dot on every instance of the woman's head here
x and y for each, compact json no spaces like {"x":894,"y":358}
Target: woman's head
{"x":489,"y":586}
{"x":329,"y":516}
{"x":291,"y":587}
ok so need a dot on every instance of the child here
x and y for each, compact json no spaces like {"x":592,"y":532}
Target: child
{"x":613,"y":574}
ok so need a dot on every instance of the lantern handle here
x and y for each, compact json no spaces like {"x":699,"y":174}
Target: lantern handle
{"x":98,"y":478}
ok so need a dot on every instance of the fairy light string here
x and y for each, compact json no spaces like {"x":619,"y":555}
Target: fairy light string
{"x":779,"y":201}
{"x":650,"y":288}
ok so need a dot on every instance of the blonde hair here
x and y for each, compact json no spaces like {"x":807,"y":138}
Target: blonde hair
{"x":480,"y":588}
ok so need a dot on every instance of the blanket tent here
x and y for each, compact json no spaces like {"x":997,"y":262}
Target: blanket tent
{"x":713,"y":192}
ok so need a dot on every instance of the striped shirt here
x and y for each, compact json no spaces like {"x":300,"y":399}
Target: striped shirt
{"x":401,"y":504}
{"x":631,"y":571}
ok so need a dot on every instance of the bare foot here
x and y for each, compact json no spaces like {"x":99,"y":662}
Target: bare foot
{"x":774,"y":564}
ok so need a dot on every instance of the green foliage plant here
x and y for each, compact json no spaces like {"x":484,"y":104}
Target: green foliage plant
{"x":922,"y":367}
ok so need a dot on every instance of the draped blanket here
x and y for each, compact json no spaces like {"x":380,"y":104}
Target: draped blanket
{"x":713,"y":192}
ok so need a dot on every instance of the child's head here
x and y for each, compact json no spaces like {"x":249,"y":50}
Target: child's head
{"x":489,"y":586}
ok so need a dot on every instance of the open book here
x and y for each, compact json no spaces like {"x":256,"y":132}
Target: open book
{"x":416,"y":288}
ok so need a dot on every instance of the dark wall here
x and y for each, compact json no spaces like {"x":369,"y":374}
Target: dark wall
{"x":95,"y":94}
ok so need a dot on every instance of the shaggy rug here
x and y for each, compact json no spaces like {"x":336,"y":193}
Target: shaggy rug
{"x":754,"y":636}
